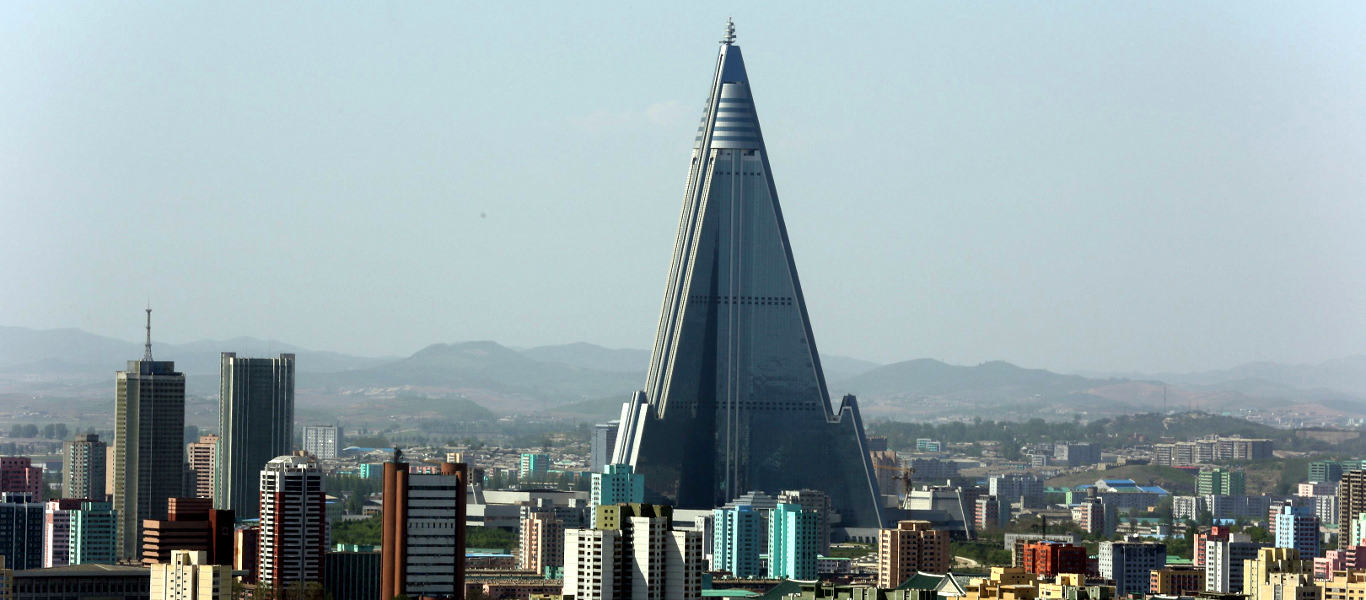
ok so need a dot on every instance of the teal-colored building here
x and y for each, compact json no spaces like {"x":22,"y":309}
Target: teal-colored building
{"x":94,"y":534}
{"x":792,"y":542}
{"x":372,"y":471}
{"x":616,"y":484}
{"x":534,"y":467}
{"x":737,"y":540}
{"x":1222,"y":482}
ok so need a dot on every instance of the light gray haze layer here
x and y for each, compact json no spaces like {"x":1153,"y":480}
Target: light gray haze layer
{"x":1102,"y":186}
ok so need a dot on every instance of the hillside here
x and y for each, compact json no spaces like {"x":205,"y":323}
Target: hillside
{"x":486,"y":369}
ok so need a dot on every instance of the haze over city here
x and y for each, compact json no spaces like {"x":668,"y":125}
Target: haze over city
{"x":1072,"y":186}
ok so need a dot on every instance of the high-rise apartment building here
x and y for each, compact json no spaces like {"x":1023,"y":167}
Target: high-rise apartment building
{"x":1325,"y":471}
{"x":57,"y":531}
{"x":615,"y":484}
{"x":533,"y":467}
{"x":633,"y":554}
{"x":735,"y":398}
{"x":1351,"y":498}
{"x":792,"y":542}
{"x":323,"y":441}
{"x":989,"y":514}
{"x":1076,"y":454}
{"x":1015,"y":487}
{"x":911,"y":547}
{"x":1224,"y":562}
{"x":818,"y":503}
{"x":190,"y":524}
{"x":540,"y":541}
{"x":83,"y":468}
{"x":737,"y":540}
{"x":601,"y":445}
{"x":203,"y":465}
{"x":1218,"y":533}
{"x":1219,"y":481}
{"x":93,"y":534}
{"x":189,"y":575}
{"x":255,"y":425}
{"x":1280,"y":574}
{"x":1048,"y":559}
{"x":149,"y":437}
{"x":21,"y":530}
{"x":1130,"y":564}
{"x":20,"y":476}
{"x":1297,"y":527}
{"x":423,"y":544}
{"x":78,"y":532}
{"x":293,"y":523}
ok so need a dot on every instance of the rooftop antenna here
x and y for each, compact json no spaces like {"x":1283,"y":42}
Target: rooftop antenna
{"x":147,"y":349}
{"x":729,"y":38}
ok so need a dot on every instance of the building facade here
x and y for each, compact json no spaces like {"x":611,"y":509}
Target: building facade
{"x":792,"y":542}
{"x":533,"y":467}
{"x":633,"y":554}
{"x":255,"y":425}
{"x":818,"y":503}
{"x":1224,"y":563}
{"x":1221,"y":482}
{"x":149,"y":437}
{"x":1048,"y":559}
{"x":188,"y":575}
{"x":203,"y":455}
{"x":293,"y":534}
{"x":735,"y":398}
{"x":83,"y":468}
{"x":1297,"y":527}
{"x":1351,"y":498}
{"x":1130,"y":564}
{"x":540,"y":541}
{"x":615,"y":484}
{"x":911,"y":547}
{"x":190,"y":524}
{"x":738,"y":540}
{"x":323,"y":441}
{"x":422,"y":552}
{"x":19,"y":475}
{"x":601,"y":445}
{"x":94,"y":534}
{"x":21,"y":530}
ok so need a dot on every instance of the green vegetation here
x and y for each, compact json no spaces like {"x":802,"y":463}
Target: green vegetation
{"x":364,"y":532}
{"x":1117,"y":432}
{"x":490,"y":537}
{"x":850,"y":550}
{"x":986,"y":553}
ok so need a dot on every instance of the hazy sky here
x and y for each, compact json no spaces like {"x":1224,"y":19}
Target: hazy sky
{"x":1089,"y":185}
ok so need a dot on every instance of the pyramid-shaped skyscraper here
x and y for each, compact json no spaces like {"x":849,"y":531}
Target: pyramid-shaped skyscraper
{"x":735,"y":399}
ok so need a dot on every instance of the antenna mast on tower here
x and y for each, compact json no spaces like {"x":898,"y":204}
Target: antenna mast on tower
{"x":147,"y":352}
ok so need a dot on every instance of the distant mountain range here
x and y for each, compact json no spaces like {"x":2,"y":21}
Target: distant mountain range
{"x":591,"y":381}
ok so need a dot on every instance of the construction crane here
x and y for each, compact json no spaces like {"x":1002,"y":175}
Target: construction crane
{"x":905,"y":473}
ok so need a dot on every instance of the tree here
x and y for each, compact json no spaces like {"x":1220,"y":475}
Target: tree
{"x":30,"y":431}
{"x":17,"y":431}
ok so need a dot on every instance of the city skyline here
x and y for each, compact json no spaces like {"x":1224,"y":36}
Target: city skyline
{"x":1127,"y":188}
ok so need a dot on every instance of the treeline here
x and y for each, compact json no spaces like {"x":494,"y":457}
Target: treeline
{"x":1122,"y":431}
{"x":50,"y":431}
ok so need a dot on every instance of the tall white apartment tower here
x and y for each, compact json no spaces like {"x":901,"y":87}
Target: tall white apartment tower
{"x":293,"y":522}
{"x":322,"y":441}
